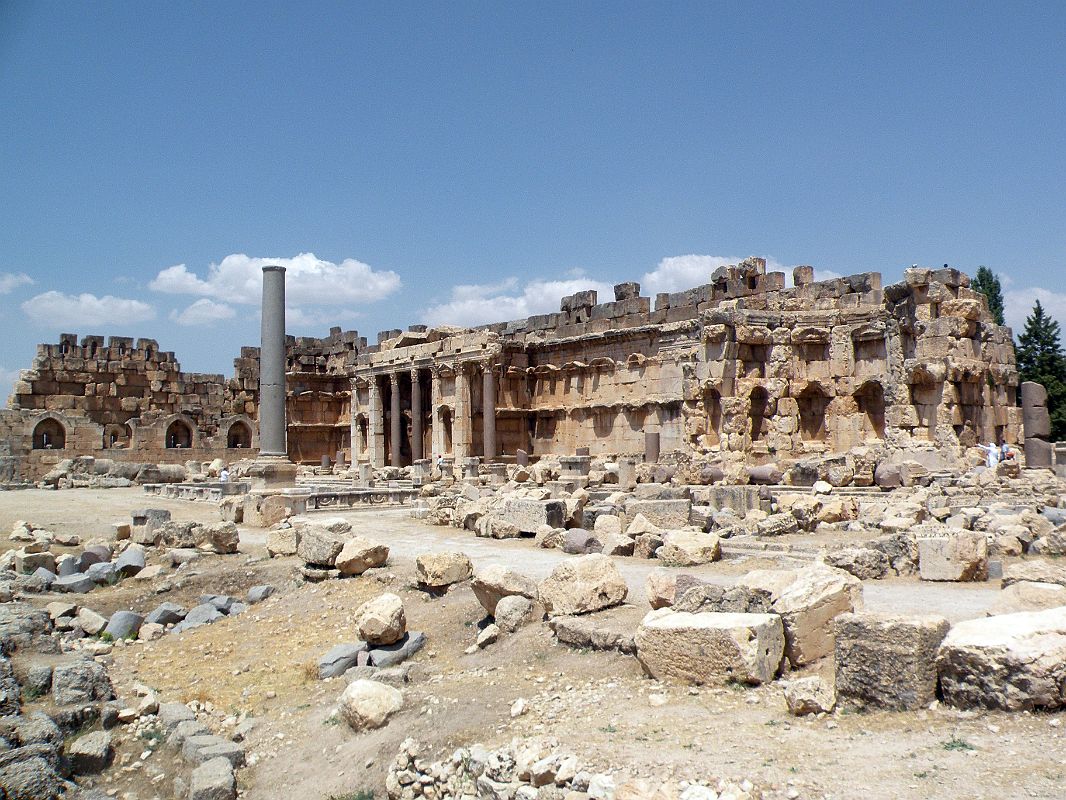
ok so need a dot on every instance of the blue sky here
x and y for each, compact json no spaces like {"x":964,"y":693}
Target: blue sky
{"x":467,"y":162}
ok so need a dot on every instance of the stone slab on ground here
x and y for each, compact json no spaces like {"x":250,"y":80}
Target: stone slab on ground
{"x":611,"y":629}
{"x":213,"y":780}
{"x":710,"y":648}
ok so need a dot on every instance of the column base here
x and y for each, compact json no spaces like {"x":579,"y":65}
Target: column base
{"x":272,"y":472}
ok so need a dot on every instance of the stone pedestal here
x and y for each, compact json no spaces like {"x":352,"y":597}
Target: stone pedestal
{"x":470,"y":468}
{"x":497,"y":474}
{"x":627,"y":473}
{"x":420,"y":471}
{"x":447,"y":470}
{"x":522,"y":458}
{"x":272,"y":472}
{"x":366,"y":475}
{"x":574,"y":466}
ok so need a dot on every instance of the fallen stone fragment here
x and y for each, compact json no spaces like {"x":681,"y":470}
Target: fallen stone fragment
{"x":496,"y":582}
{"x":960,"y":557}
{"x":91,"y":622}
{"x":90,"y":753}
{"x":689,"y":548}
{"x":78,"y":583}
{"x":359,"y":554}
{"x":512,"y":611}
{"x":1028,"y":596}
{"x":166,"y":614}
{"x":381,"y":620}
{"x":368,"y":704}
{"x":809,"y":695}
{"x":390,"y":655}
{"x":257,"y":594}
{"x":338,"y":659}
{"x":581,"y":585}
{"x":213,"y":780}
{"x":439,"y":570}
{"x":611,"y":629}
{"x":124,"y":625}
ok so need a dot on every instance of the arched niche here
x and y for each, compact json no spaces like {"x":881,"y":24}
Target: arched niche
{"x":178,"y":435}
{"x":49,"y":434}
{"x":239,"y":436}
{"x":117,"y":436}
{"x":758,"y":402}
{"x":870,"y":398}
{"x":812,"y":402}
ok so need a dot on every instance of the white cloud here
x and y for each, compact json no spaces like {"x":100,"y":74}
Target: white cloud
{"x":317,"y":318}
{"x":57,"y":310}
{"x":677,"y":273}
{"x":7,"y":383}
{"x":203,"y":312}
{"x":479,"y":304}
{"x":1018,"y":304}
{"x":309,"y":281}
{"x":10,"y":281}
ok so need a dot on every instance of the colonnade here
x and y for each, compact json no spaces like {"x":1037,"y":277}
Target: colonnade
{"x":451,"y":419}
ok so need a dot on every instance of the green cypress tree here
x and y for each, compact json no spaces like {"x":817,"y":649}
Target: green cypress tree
{"x":1040,"y":359}
{"x":987,"y":284}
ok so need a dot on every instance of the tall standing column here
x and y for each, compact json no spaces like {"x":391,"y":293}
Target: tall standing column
{"x":272,"y":365}
{"x":394,"y":429}
{"x":462,"y":423}
{"x":488,"y":402}
{"x":375,"y":428}
{"x":436,"y":422}
{"x":416,"y":415}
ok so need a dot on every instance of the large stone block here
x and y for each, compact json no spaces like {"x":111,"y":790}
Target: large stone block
{"x":689,"y":548}
{"x":888,"y":660}
{"x":583,"y":584}
{"x":1036,"y":422}
{"x":807,"y":601}
{"x":670,"y":514}
{"x":495,"y":582}
{"x":959,"y":557}
{"x":1013,"y":662}
{"x":528,"y":515}
{"x":1039,"y":454}
{"x":1033,"y":395}
{"x":710,"y":648}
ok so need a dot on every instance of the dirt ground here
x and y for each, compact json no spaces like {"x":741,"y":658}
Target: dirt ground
{"x":598,"y":705}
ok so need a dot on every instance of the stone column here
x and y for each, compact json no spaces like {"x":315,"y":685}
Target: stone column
{"x":462,"y":422}
{"x":394,"y":428}
{"x":488,"y":401}
{"x":353,"y":425}
{"x":416,"y":415}
{"x":272,"y":365}
{"x":376,"y":425}
{"x":434,"y":410}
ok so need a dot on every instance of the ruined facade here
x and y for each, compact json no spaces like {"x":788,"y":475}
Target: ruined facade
{"x":740,"y":368}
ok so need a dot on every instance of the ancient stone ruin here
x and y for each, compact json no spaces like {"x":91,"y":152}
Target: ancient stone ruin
{"x":738,"y":373}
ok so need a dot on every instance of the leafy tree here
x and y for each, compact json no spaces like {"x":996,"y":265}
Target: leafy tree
{"x":987,"y":284}
{"x":1040,"y":359}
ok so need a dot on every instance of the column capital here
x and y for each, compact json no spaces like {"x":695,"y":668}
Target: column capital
{"x":394,"y":378}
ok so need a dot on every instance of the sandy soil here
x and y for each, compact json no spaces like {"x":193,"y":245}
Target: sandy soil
{"x":598,"y":705}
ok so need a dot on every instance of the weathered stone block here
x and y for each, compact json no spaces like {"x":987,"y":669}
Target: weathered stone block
{"x":528,"y":515}
{"x":959,"y":557}
{"x":1012,"y":662}
{"x":670,"y":514}
{"x":709,"y":648}
{"x":888,"y":660}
